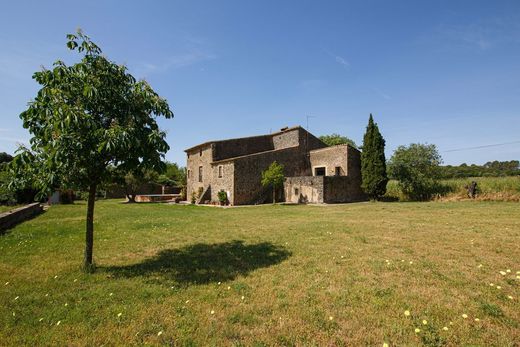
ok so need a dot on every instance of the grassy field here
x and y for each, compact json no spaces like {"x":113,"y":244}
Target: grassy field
{"x":266,"y":275}
{"x":489,"y":189}
{"x":5,"y":208}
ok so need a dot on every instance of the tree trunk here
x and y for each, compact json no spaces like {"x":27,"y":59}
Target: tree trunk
{"x":131,"y":198}
{"x":274,"y":195}
{"x":89,"y":236}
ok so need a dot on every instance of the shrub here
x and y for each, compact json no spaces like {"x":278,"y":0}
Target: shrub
{"x":222,"y":197}
{"x":416,"y":167}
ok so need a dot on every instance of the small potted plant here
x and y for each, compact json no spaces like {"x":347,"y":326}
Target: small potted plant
{"x":222,"y":198}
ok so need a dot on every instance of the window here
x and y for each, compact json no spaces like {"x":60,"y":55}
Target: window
{"x":189,"y":173}
{"x":200,"y":173}
{"x":337,"y":171}
{"x":200,"y":152}
{"x":296,"y":191}
{"x":319,"y":171}
{"x":220,"y":169}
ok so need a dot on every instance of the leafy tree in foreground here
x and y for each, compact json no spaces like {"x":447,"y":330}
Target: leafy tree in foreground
{"x":373,"y":162}
{"x":416,"y":167}
{"x":336,"y":139}
{"x":273,"y":176}
{"x":87,"y":120}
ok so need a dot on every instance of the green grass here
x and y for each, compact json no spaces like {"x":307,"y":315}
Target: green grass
{"x":5,"y":208}
{"x":265,"y":275}
{"x":489,"y":189}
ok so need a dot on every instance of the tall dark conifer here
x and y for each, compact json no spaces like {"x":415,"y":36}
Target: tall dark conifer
{"x":373,"y":162}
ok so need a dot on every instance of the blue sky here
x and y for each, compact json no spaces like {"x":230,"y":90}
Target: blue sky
{"x":442,"y":72}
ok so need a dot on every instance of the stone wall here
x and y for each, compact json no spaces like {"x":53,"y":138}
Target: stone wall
{"x":225,"y":183}
{"x":338,"y":189}
{"x":10,"y":218}
{"x":202,"y":156}
{"x":247,"y":180}
{"x":289,"y":138}
{"x":304,"y":189}
{"x":244,"y":146}
{"x":330,"y":158}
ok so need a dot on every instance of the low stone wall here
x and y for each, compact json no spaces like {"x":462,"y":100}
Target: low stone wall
{"x":304,"y":189}
{"x":10,"y":218}
{"x":342,"y":189}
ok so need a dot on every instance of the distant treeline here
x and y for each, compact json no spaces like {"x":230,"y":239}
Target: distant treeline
{"x":489,"y":169}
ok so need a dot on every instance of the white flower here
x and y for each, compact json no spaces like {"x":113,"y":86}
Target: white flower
{"x":499,"y":287}
{"x":212,"y":312}
{"x":186,"y":301}
{"x":59,"y":322}
{"x":477,"y":320}
{"x":66,"y":304}
{"x":508,"y":270}
{"x":417,"y":330}
{"x":17,"y":298}
{"x":445,"y":328}
{"x":491,"y":284}
{"x":110,"y":294}
{"x":406,"y":313}
{"x":228,"y":288}
{"x":159,"y":333}
{"x":503,"y":273}
{"x":424,"y":322}
{"x":56,"y":276}
{"x":331,"y":318}
{"x":41,"y":319}
{"x":243,"y":297}
{"x":75,"y":280}
{"x":464,"y":316}
{"x":510,"y":297}
{"x":6,"y":283}
{"x":385,"y":344}
{"x":219,"y":283}
{"x":119,"y":314}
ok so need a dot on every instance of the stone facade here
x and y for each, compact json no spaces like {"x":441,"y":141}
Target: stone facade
{"x":235,"y":166}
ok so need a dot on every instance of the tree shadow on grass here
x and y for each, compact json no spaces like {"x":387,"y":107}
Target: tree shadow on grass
{"x":204,"y":263}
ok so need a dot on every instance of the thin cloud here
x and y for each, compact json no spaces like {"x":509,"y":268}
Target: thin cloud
{"x":175,"y":62}
{"x":482,"y":35}
{"x":382,"y":94}
{"x":339,"y":59}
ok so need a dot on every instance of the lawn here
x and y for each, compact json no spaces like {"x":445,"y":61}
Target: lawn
{"x":266,"y":275}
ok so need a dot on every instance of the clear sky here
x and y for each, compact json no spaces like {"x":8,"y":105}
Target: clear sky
{"x":442,"y":72}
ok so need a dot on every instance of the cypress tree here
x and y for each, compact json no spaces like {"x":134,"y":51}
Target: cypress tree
{"x":373,"y":162}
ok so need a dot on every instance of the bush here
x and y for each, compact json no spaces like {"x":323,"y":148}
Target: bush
{"x":222,"y":197}
{"x":416,"y":167}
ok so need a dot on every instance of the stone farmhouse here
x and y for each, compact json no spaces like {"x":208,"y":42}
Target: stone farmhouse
{"x":315,"y":173}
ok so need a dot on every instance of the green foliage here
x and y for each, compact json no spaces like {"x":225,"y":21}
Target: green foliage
{"x":273,"y":176}
{"x":175,"y":174}
{"x":89,"y":121}
{"x":489,"y":169}
{"x":222,"y":197}
{"x":336,"y":139}
{"x":373,"y":162}
{"x":416,"y":167}
{"x":87,"y":117}
{"x":5,"y":157}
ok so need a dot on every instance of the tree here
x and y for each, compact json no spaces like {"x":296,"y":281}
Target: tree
{"x":86,"y":121}
{"x":273,"y":176}
{"x":336,"y":139}
{"x":132,"y":181}
{"x":373,"y":162}
{"x":416,"y":167}
{"x":5,"y":157}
